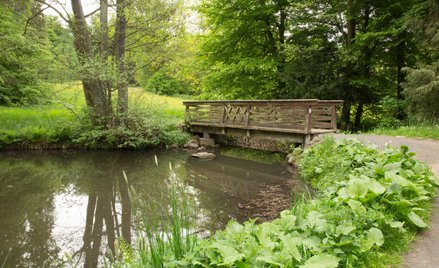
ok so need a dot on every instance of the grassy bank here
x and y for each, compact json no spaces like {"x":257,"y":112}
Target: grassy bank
{"x":62,"y":120}
{"x":369,"y":206}
{"x":420,"y":131}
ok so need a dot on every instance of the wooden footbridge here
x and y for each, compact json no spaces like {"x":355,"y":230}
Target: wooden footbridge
{"x":294,"y":121}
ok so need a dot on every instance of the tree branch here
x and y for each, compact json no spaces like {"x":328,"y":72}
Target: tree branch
{"x":31,"y":18}
{"x":92,"y":13}
{"x":60,"y":14}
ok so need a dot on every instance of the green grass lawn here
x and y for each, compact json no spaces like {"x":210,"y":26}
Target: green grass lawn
{"x":66,"y":107}
{"x":421,"y":131}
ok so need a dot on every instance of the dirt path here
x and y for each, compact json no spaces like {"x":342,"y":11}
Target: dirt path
{"x":424,"y":252}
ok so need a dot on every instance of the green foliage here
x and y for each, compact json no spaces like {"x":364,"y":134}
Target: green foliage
{"x":137,"y":132}
{"x":164,"y":84}
{"x":22,"y":58}
{"x":391,"y":107}
{"x":367,"y":207}
{"x":63,"y":64}
{"x":161,"y":244}
{"x":241,"y":50}
{"x":422,"y":92}
{"x":153,"y":120}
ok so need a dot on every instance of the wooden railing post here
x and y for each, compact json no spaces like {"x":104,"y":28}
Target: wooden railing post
{"x":247,"y":119}
{"x":308,"y":119}
{"x":223,"y":114}
{"x":334,"y":117}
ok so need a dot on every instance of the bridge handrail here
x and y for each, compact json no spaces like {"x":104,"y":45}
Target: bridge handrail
{"x":305,"y":116}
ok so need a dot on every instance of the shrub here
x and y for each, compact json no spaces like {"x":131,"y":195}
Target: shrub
{"x":422,"y":92}
{"x":164,"y":84}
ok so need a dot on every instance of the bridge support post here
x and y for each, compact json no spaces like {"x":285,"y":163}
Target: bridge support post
{"x":207,"y":140}
{"x":307,"y":140}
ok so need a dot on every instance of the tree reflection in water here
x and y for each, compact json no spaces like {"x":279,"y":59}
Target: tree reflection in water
{"x":102,"y":211}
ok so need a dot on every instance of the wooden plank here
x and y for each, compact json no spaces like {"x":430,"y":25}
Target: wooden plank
{"x":300,"y":131}
{"x":308,"y":120}
{"x":321,"y":125}
{"x":255,"y":102}
{"x":334,"y":117}
{"x":320,"y":118}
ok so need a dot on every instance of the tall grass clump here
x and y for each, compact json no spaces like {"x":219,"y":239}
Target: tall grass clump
{"x":368,"y":206}
{"x":165,"y":232}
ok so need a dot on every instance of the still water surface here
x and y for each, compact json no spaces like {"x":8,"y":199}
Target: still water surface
{"x":54,"y":204}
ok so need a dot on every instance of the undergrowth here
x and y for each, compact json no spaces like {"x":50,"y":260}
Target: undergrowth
{"x":152,"y":120}
{"x":369,"y":205}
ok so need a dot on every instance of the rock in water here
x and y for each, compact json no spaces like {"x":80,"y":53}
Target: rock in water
{"x":191,"y":145}
{"x":203,"y":155}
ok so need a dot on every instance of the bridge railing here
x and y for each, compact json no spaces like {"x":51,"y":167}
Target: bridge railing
{"x":308,"y":116}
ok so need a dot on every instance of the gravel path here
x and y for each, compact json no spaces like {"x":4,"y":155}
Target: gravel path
{"x":424,"y":252}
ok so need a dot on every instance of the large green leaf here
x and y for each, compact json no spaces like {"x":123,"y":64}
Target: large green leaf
{"x":357,"y":188}
{"x":357,"y":206}
{"x":374,"y":237}
{"x":316,"y":221}
{"x":416,"y":220}
{"x":228,"y":254}
{"x":321,"y":261}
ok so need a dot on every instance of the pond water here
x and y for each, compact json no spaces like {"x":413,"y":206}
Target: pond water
{"x":57,"y":204}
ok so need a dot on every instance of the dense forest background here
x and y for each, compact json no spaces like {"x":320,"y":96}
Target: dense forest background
{"x":380,"y":57}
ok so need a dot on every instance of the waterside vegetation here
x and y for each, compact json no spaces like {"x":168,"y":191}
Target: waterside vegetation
{"x":368,"y":207}
{"x":62,"y":121}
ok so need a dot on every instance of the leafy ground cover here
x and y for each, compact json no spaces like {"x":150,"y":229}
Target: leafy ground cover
{"x":368,"y":207}
{"x":153,"y":120}
{"x":420,"y":131}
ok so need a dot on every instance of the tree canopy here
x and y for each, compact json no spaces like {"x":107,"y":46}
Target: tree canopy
{"x":367,"y":53}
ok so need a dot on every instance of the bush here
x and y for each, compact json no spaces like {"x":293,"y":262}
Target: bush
{"x":393,"y":112}
{"x":422,"y":92}
{"x":164,"y":84}
{"x":138,"y":131}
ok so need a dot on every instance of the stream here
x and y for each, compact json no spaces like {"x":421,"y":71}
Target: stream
{"x":55,"y":204}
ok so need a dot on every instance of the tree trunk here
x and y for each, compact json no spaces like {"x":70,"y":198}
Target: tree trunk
{"x":281,"y":61}
{"x":346,"y":114}
{"x":400,"y":62}
{"x":120,"y":34}
{"x":348,"y":91}
{"x":126,"y":210}
{"x":94,"y":91}
{"x":104,"y":29}
{"x":365,"y":90}
{"x":358,"y":116}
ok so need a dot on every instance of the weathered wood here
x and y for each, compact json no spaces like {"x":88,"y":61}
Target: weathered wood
{"x":302,"y":117}
{"x":334,"y":117}
{"x":308,"y":119}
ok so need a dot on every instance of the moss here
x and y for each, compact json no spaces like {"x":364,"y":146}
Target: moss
{"x":255,"y":155}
